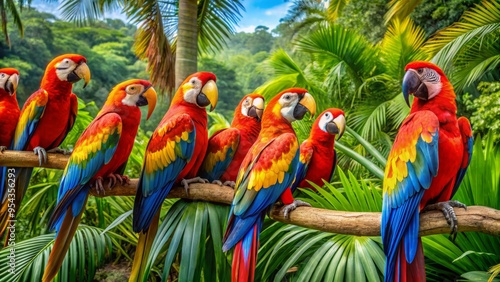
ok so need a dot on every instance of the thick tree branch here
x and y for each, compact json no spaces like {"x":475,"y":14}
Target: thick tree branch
{"x":475,"y":218}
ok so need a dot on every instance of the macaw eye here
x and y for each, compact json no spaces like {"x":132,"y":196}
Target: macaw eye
{"x":327,"y":115}
{"x":420,"y":71}
{"x":3,"y":75}
{"x":287,"y":97}
{"x":132,"y":89}
{"x":193,"y":81}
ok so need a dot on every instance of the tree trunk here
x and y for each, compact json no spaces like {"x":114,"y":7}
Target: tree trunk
{"x":186,"y":57}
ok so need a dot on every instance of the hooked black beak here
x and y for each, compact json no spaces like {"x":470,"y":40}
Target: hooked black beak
{"x":81,"y":71}
{"x":413,"y":85}
{"x":306,"y":104}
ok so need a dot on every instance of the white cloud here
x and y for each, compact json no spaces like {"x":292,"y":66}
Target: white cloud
{"x":248,"y":29}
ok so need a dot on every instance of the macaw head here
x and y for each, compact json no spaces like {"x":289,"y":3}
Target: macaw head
{"x":252,"y":106}
{"x":134,"y":93}
{"x":424,"y":80}
{"x":331,"y":121}
{"x":292,"y":104}
{"x":68,"y":67}
{"x":9,"y":79}
{"x":198,"y":89}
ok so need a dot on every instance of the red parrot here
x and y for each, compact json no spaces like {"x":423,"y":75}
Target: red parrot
{"x":228,"y":147}
{"x":426,"y":165}
{"x":9,"y":109}
{"x":101,"y":152}
{"x":318,"y":158}
{"x":9,"y":114}
{"x":174,"y":155}
{"x":267,"y":170}
{"x":48,"y":115}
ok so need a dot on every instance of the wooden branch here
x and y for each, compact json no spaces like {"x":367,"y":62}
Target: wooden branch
{"x":475,"y":218}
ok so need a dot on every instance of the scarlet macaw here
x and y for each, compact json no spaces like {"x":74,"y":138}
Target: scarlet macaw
{"x":9,"y":114}
{"x":318,"y":158}
{"x":101,"y":152}
{"x":174,"y":155}
{"x":228,"y":147}
{"x":425,"y":167}
{"x":47,"y":116}
{"x":267,"y":170}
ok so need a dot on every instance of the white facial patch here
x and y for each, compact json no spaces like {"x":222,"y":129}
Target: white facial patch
{"x":432,"y":81}
{"x":246,"y":106}
{"x":288,"y":101}
{"x":191,"y":94}
{"x":64,"y":68}
{"x":3,"y":79}
{"x":325,"y":119}
{"x":130,"y":100}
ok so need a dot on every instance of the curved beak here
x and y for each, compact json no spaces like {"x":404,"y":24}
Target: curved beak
{"x":11,"y":84}
{"x":150,"y":95}
{"x":258,"y":105}
{"x":83,"y":72}
{"x":308,"y":103}
{"x":336,"y":126}
{"x":211,"y":92}
{"x":413,"y":85}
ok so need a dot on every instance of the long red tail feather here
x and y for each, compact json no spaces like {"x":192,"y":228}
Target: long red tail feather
{"x":244,"y":261}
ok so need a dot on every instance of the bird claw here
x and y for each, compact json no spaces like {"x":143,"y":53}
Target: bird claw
{"x":58,"y":150}
{"x":449,"y":214}
{"x":230,"y":184}
{"x":2,"y":149}
{"x":98,"y":186}
{"x":186,"y":182}
{"x":218,"y":182}
{"x":291,"y":207}
{"x":114,"y":178}
{"x":41,"y":153}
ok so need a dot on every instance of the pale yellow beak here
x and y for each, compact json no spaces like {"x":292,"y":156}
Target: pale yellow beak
{"x":310,"y":104}
{"x":150,"y":96}
{"x":83,"y":71}
{"x":340,"y":122}
{"x":210,"y":90}
{"x":12,"y":83}
{"x":258,"y":103}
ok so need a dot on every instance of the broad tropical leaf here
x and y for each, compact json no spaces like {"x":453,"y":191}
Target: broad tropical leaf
{"x":295,"y":253}
{"x":87,"y":251}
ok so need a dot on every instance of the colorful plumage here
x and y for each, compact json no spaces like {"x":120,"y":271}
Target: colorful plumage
{"x":228,"y":147}
{"x":9,"y":114}
{"x":173,"y":156}
{"x":100,"y":152}
{"x":425,"y":167}
{"x":48,"y":114}
{"x":318,"y":158}
{"x":266,"y":171}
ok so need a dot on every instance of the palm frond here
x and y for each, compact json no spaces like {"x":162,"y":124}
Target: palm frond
{"x":335,"y":46}
{"x":216,"y":21}
{"x":87,"y":11}
{"x":297,"y":253}
{"x":152,"y":42}
{"x":475,"y":26}
{"x":335,"y":8}
{"x":192,"y":232}
{"x":402,"y":44}
{"x":217,"y":122}
{"x":400,"y":9}
{"x":87,"y":251}
{"x":287,"y":73}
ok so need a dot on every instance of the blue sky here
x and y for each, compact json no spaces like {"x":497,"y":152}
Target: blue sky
{"x":257,"y":12}
{"x":262,"y":12}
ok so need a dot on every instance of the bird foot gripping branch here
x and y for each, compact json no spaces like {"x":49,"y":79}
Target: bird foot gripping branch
{"x":186,"y":182}
{"x":286,"y":209}
{"x":447,"y":209}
